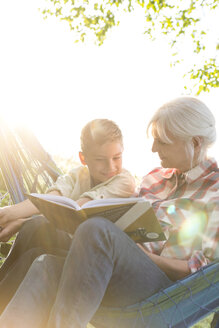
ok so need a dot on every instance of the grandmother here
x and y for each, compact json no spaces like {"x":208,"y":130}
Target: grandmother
{"x":110,"y":269}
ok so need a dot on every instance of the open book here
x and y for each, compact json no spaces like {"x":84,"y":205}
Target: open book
{"x":134,"y":215}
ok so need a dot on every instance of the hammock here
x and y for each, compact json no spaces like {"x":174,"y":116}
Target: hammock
{"x":180,"y":306}
{"x":26,"y":168}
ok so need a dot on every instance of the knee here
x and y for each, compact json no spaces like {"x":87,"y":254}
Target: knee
{"x":41,"y":262}
{"x":33,"y":253}
{"x":95,"y":227}
{"x":45,"y":271}
{"x":47,"y":265}
{"x":35,"y":223}
{"x":44,"y":261}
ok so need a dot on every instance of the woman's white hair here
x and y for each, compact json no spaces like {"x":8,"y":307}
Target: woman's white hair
{"x":184,"y":117}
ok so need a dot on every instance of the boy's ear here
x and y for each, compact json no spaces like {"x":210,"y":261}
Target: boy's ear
{"x":82,"y":159}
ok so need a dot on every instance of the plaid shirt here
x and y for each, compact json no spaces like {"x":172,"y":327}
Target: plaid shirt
{"x":187,"y":206}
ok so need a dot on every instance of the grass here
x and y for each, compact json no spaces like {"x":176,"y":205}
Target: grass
{"x":205,"y":323}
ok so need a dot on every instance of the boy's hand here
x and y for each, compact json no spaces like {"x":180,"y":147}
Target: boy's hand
{"x":8,"y":214}
{"x":83,"y":200}
{"x":12,"y":218}
{"x":7,"y":231}
{"x":9,"y":222}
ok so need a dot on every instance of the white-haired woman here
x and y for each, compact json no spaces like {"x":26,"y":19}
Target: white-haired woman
{"x":109,"y":268}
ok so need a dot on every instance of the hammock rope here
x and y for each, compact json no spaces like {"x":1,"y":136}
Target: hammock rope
{"x":179,"y":306}
{"x":25,"y":166}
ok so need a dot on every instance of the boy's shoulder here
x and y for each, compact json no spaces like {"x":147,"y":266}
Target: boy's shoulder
{"x":80,"y":169}
{"x":125,"y":179}
{"x":124,"y":174}
{"x":79,"y":173}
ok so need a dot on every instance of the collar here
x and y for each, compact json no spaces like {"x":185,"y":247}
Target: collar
{"x":202,"y":169}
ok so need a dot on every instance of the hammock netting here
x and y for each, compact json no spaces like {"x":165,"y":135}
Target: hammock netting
{"x":180,"y":306}
{"x":26,"y":167}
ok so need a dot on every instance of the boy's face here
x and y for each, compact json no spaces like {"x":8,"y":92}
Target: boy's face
{"x":103,"y":161}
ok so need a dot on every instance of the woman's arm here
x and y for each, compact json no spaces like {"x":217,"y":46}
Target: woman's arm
{"x":175,"y":269}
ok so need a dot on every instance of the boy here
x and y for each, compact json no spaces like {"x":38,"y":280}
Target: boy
{"x":100,"y":176}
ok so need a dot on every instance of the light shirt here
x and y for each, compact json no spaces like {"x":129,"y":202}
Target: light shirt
{"x":77,"y":184}
{"x":187,"y":206}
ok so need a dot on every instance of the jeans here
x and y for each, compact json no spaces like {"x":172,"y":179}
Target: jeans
{"x":104,"y":267}
{"x":35,"y":233}
{"x":36,"y":237}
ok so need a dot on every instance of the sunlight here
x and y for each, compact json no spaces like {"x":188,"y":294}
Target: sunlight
{"x":192,"y":227}
{"x":55,"y":87}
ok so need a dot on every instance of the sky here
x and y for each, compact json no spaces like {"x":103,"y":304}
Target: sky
{"x":54,"y":86}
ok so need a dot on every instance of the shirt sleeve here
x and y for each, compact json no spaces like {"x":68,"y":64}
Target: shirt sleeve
{"x":210,"y":242}
{"x":121,"y":185}
{"x":64,"y":184}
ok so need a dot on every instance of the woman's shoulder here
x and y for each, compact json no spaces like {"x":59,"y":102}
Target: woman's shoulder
{"x":160,"y":172}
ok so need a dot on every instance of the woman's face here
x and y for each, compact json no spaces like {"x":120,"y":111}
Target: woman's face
{"x":174,"y":155}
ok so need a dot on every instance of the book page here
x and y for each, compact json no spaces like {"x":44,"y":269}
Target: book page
{"x":109,"y":211}
{"x":112,"y":201}
{"x":68,"y":202}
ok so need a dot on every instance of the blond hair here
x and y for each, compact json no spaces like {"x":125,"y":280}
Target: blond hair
{"x":99,"y":131}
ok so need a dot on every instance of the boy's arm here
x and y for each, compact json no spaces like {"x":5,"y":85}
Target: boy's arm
{"x":83,"y":200}
{"x":120,"y":186}
{"x":14,"y":216}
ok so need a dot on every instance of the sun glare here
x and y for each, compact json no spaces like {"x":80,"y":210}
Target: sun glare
{"x":54,"y":87}
{"x":192,"y":227}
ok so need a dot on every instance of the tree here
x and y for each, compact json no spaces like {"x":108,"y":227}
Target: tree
{"x":178,"y":20}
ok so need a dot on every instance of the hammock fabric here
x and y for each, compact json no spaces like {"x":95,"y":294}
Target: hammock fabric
{"x":180,"y":306}
{"x":25,"y":166}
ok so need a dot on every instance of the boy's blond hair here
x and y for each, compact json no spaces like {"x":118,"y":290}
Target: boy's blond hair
{"x":99,"y":131}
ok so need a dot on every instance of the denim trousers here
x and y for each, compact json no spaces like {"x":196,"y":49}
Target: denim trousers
{"x":35,"y":233}
{"x":104,"y":267}
{"x":36,"y":237}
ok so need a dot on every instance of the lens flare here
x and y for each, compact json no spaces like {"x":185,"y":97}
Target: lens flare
{"x":192,"y":227}
{"x":171,"y":209}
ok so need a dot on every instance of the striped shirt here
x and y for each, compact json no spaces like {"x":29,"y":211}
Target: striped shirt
{"x":187,"y":206}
